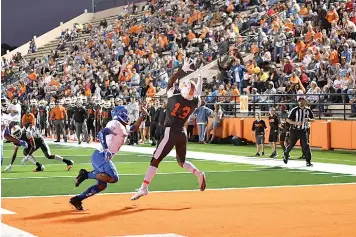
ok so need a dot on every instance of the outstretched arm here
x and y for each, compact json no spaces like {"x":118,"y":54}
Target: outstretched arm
{"x":199,"y":89}
{"x":136,"y":126}
{"x":181,"y":72}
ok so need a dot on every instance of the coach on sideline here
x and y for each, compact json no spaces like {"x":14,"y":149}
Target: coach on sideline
{"x":298,"y":118}
{"x":80,"y":116}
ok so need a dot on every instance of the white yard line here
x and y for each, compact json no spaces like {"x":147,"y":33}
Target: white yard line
{"x":320,"y":173}
{"x":209,"y":189}
{"x":299,"y":171}
{"x":292,"y":164}
{"x":244,"y":152}
{"x":151,"y":235}
{"x":342,"y":176}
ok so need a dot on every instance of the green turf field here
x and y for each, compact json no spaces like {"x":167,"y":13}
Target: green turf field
{"x":55,"y":180}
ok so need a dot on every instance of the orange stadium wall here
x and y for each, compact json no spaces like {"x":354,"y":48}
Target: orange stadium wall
{"x":334,"y":134}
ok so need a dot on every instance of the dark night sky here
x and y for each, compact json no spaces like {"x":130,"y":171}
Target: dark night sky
{"x":22,"y":19}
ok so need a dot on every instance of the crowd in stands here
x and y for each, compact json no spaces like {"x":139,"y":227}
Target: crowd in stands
{"x":299,"y":48}
{"x":304,"y":49}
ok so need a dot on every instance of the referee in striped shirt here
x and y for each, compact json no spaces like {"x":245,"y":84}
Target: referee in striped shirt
{"x":298,"y":118}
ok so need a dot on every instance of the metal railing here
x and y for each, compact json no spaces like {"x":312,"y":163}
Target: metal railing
{"x":100,"y":5}
{"x":324,"y":106}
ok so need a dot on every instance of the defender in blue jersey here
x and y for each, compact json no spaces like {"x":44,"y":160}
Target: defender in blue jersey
{"x":112,"y":137}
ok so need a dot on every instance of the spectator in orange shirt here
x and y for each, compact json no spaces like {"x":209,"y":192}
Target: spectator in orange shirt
{"x":235,"y":93}
{"x":190,"y":35}
{"x":180,"y":19}
{"x":28,"y":119}
{"x":304,"y":11}
{"x":332,"y":15}
{"x":32,"y":76}
{"x":128,"y":75}
{"x":318,"y":35}
{"x":300,"y":49}
{"x":151,"y":91}
{"x":88,"y":92}
{"x":334,"y":57}
{"x":22,"y":90}
{"x":294,"y":79}
{"x":222,"y":93}
{"x":310,"y":34}
{"x":58,"y":114}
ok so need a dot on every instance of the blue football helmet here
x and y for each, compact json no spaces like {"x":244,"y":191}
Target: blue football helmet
{"x":120,"y":113}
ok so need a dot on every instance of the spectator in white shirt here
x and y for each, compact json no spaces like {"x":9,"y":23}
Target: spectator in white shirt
{"x":163,"y":75}
{"x":135,"y":79}
{"x":14,"y":110}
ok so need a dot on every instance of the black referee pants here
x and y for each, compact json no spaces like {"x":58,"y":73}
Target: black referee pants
{"x":153,"y":134}
{"x":303,"y":136}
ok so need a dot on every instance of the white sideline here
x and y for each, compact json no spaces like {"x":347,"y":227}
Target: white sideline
{"x":6,"y":212}
{"x":152,"y":235}
{"x":292,"y":164}
{"x":9,"y":231}
{"x":192,"y":190}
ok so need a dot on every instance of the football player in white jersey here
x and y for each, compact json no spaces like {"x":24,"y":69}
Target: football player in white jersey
{"x":5,"y":131}
{"x":112,"y":137}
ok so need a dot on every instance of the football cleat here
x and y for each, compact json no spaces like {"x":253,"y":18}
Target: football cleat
{"x":285,"y":158}
{"x":140,"y":193}
{"x":83,"y":175}
{"x":202,"y":181}
{"x":8,"y":168}
{"x":39,"y":169}
{"x":309,"y":164}
{"x":70,"y":165}
{"x":77,"y":203}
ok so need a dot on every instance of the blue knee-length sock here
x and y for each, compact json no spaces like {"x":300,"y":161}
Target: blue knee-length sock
{"x":89,"y":192}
